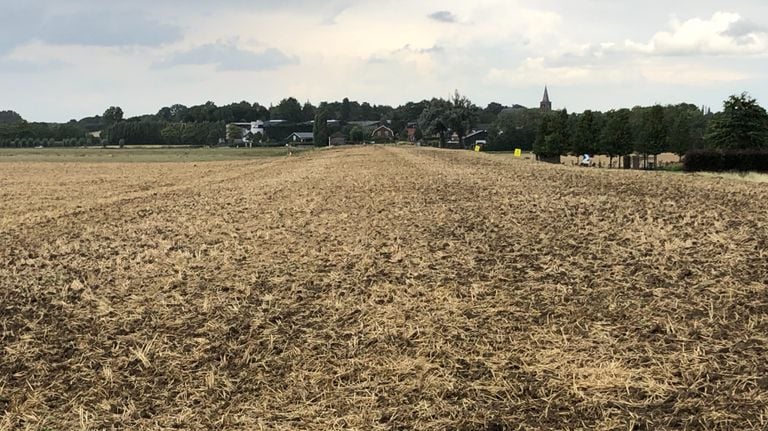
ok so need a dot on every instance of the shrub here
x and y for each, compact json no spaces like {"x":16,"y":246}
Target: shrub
{"x":728,"y":160}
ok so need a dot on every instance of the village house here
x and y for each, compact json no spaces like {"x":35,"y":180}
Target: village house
{"x":383,"y":133}
{"x":302,"y":138}
{"x":411,"y":130}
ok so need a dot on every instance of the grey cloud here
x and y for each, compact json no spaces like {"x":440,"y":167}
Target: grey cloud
{"x":393,"y":55}
{"x":227,"y":56}
{"x":742,"y":28}
{"x":135,"y":23}
{"x":443,"y":16}
{"x":743,"y":31}
{"x":436,"y":49}
{"x":107,"y":28}
{"x":25,"y":67}
{"x":17,"y":24}
{"x":98,"y":26}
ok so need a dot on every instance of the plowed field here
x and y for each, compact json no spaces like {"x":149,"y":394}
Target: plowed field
{"x":380,"y":288}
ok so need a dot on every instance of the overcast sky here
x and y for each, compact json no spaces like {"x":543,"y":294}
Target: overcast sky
{"x":63,"y":59}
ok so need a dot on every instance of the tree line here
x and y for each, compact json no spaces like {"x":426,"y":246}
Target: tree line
{"x":645,"y":130}
{"x":20,"y":134}
{"x":648,"y":131}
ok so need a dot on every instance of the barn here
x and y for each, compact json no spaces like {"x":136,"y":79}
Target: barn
{"x":383,"y":133}
{"x":302,"y":138}
{"x":477,"y":135}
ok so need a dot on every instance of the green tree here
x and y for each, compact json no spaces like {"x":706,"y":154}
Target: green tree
{"x":172,"y":134}
{"x":743,"y":124}
{"x":553,"y":136}
{"x":320,"y":129}
{"x":434,"y":119}
{"x":307,"y":112}
{"x":113,"y":114}
{"x":685,"y":128}
{"x":288,"y":109}
{"x":234,"y":133}
{"x":357,"y":134}
{"x":8,"y":117}
{"x":616,"y":137}
{"x":515,"y":129}
{"x":346,"y":110}
{"x":461,"y":116}
{"x":653,"y":135}
{"x":586,"y":137}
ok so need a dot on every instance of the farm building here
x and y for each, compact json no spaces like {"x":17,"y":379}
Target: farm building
{"x":411,"y":130}
{"x":302,"y":138}
{"x":476,"y":135}
{"x":383,"y":133}
{"x":338,"y":138}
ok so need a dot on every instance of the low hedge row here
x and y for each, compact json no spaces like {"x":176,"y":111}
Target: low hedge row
{"x":726,"y":160}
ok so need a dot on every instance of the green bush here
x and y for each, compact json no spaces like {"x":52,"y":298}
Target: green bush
{"x":726,"y":160}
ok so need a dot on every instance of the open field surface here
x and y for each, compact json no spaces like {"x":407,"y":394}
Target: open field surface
{"x":137,"y":154}
{"x":380,"y":288}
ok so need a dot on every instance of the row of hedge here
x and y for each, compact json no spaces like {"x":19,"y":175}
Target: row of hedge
{"x":47,"y":142}
{"x":726,"y":160}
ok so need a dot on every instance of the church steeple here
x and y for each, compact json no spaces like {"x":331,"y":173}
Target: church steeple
{"x":546,"y":104}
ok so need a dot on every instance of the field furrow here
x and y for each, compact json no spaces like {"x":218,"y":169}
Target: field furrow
{"x":380,"y":288}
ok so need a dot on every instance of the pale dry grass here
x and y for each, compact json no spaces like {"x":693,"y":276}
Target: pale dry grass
{"x":745,"y":176}
{"x":381,"y":288}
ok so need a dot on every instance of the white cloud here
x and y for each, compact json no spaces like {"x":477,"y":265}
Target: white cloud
{"x":723,"y":34}
{"x":534,"y":71}
{"x":387,"y":51}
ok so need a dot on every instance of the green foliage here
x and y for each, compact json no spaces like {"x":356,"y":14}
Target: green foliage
{"x":434,"y":119}
{"x":320,"y":130}
{"x":133,"y":133}
{"x":288,"y":109}
{"x":515,"y":129}
{"x":461,"y":116}
{"x":357,"y":134}
{"x":586,"y":137}
{"x":616,"y":136}
{"x":158,"y":133}
{"x":685,"y":126}
{"x":715,"y":160}
{"x":8,"y":117}
{"x":346,"y":110}
{"x":234,"y":133}
{"x":653,"y":133}
{"x":24,"y":134}
{"x":113,"y":114}
{"x":307,"y":112}
{"x":553,"y":135}
{"x":743,"y":124}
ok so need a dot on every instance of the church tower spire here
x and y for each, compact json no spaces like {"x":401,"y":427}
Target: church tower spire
{"x":546,"y":104}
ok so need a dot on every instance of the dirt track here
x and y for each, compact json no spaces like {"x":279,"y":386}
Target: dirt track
{"x":380,"y":288}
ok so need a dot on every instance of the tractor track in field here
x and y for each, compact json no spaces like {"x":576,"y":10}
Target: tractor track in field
{"x":382,"y":288}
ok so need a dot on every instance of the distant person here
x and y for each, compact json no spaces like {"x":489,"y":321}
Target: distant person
{"x":586,"y":161}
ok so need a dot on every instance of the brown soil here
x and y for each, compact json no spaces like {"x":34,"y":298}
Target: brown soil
{"x":380,"y":288}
